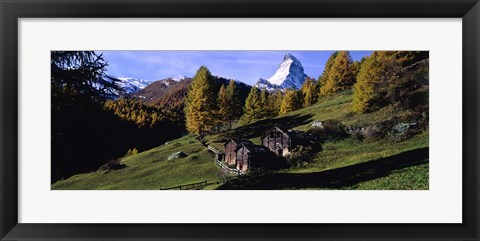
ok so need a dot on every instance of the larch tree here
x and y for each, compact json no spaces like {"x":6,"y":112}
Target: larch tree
{"x":364,"y":94}
{"x":292,"y":100}
{"x":309,"y":92}
{"x":235,"y":109}
{"x":224,"y":108}
{"x":264,"y":104}
{"x":322,"y":79}
{"x":341,"y":74}
{"x":377,"y":76}
{"x":356,"y":68}
{"x":274,"y":103}
{"x":407,"y":58}
{"x":407,"y":73}
{"x":252,"y":110}
{"x":200,"y":104}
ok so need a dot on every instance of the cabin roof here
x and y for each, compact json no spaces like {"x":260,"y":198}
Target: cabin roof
{"x":301,"y":137}
{"x":253,"y":148}
{"x":295,"y":136}
{"x":274,"y":129}
{"x":238,"y":141}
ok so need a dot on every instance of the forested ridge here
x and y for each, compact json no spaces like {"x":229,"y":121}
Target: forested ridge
{"x":88,"y":129}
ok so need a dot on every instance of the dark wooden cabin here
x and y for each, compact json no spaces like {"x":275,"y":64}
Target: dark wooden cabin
{"x":283,"y":142}
{"x":231,"y":147}
{"x":277,"y":141}
{"x":252,"y":156}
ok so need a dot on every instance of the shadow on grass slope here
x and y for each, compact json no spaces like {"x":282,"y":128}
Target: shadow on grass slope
{"x":336,"y":178}
{"x":260,"y":127}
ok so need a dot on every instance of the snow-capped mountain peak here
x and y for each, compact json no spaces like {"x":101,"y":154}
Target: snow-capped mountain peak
{"x":128,"y":85}
{"x":290,"y":57}
{"x":290,"y":74}
{"x":178,"y":77}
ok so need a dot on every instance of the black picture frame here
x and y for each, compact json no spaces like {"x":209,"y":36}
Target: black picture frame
{"x":12,"y":10}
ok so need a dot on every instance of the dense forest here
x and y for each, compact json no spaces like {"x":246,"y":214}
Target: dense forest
{"x":88,"y":129}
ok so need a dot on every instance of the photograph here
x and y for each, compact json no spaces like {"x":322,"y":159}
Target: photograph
{"x":239,"y":120}
{"x":135,"y":120}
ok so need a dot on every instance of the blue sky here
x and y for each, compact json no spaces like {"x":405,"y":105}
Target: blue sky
{"x":246,"y":66}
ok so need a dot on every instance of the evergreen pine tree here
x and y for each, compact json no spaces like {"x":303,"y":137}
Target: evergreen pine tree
{"x":200,"y":104}
{"x":77,"y":81}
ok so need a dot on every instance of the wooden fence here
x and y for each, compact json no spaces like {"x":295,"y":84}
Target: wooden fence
{"x":218,"y":161}
{"x":192,"y":186}
{"x":202,"y":185}
{"x":228,"y":169}
{"x":214,"y":150}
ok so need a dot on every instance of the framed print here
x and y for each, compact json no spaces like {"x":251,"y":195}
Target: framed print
{"x":161,"y":120}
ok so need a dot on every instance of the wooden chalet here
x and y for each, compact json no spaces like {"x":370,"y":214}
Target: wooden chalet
{"x":283,"y":142}
{"x":252,"y":156}
{"x":244,"y":155}
{"x":231,"y":147}
{"x":276,"y":143}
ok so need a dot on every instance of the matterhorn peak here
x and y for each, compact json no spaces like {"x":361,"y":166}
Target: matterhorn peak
{"x":289,"y":75}
{"x":289,"y":57}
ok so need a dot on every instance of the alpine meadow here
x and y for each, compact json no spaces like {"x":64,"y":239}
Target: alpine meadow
{"x":240,"y":120}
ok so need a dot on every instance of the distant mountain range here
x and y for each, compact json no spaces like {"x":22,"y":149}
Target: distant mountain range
{"x":170,"y":93}
{"x":289,"y":75}
{"x":163,"y":92}
{"x":127,"y":86}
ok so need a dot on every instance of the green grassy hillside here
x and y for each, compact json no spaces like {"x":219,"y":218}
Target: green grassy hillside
{"x":343,"y":164}
{"x":151,"y":169}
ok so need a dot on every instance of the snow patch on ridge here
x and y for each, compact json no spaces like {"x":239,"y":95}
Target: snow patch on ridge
{"x":128,"y":85}
{"x":178,"y":77}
